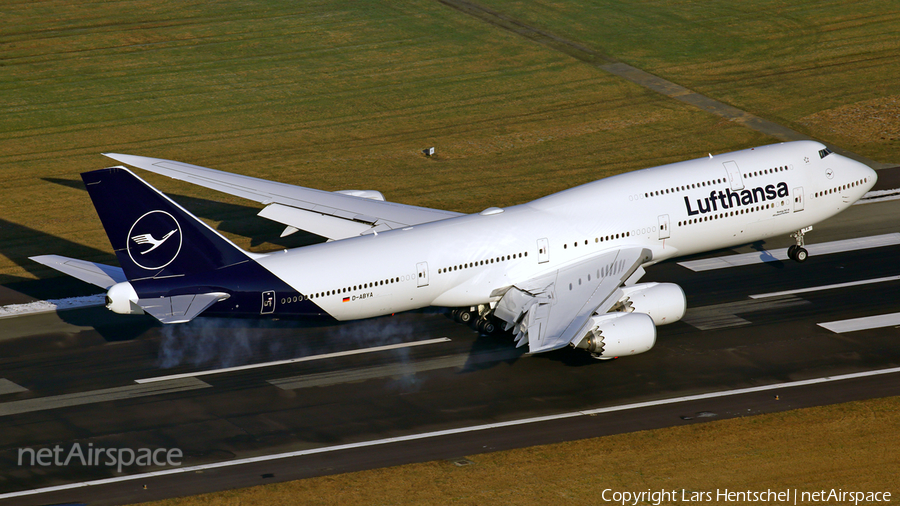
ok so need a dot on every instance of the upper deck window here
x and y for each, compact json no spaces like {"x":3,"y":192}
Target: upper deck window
{"x":824,"y":152}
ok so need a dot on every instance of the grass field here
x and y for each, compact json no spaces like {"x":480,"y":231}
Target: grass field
{"x":338,"y":95}
{"x":827,"y":68}
{"x":846,"y":446}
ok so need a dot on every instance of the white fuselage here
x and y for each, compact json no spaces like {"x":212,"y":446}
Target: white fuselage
{"x":673,"y":210}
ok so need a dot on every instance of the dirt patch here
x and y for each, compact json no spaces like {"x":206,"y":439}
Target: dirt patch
{"x":867,"y":121}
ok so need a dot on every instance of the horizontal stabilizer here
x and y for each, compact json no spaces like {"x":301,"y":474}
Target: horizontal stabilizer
{"x":180,"y":308}
{"x":100,"y":275}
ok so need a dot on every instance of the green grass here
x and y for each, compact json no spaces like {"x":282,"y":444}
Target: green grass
{"x":330,"y":95}
{"x":848,"y":446}
{"x":782,"y":60}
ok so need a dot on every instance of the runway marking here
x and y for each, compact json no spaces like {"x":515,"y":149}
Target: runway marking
{"x":878,"y":196}
{"x":8,"y":387}
{"x":825,"y":248}
{"x":869,"y":322}
{"x":826,"y":287}
{"x":367,"y":373}
{"x":451,"y":432}
{"x":51,"y":305}
{"x":720,"y":316}
{"x":294,"y":360}
{"x":94,"y":396}
{"x":392,"y":370}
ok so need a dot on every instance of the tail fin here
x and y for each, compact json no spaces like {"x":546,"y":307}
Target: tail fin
{"x":154,"y":237}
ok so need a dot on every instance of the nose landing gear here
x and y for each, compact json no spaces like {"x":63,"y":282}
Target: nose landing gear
{"x":797,"y":252}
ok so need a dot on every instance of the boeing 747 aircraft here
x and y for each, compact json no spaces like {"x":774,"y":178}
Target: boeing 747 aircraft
{"x":559,"y":271}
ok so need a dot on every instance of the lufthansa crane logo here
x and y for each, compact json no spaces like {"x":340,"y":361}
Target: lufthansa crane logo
{"x":154,"y":240}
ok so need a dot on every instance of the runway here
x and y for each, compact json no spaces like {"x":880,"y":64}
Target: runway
{"x":88,"y":376}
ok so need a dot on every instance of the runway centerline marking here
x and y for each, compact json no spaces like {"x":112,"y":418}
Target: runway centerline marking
{"x":451,"y":432}
{"x":103,"y":395}
{"x":825,"y":248}
{"x":401,"y":369}
{"x":826,"y":287}
{"x":866,"y":323}
{"x":8,"y":387}
{"x":720,"y":316}
{"x":295,"y":360}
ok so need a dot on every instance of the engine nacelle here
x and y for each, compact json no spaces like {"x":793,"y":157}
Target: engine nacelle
{"x":121,"y":298}
{"x":614,"y":335}
{"x":664,"y":302}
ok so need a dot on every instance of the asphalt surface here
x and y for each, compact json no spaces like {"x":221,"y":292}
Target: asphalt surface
{"x":69,"y":377}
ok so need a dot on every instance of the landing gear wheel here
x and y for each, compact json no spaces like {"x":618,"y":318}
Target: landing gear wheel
{"x":797,"y":253}
{"x":465,"y":316}
{"x":485,"y":326}
{"x":455,"y":315}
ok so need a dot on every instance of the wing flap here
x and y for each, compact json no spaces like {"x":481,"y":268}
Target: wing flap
{"x":551,"y":311}
{"x":319,"y":224}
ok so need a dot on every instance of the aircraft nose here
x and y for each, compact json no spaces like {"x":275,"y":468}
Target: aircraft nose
{"x":869,"y":174}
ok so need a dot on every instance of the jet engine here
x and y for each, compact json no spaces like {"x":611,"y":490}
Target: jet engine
{"x":614,"y":335}
{"x":664,"y":302}
{"x":121,"y":298}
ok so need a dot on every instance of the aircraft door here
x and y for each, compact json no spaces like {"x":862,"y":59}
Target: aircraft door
{"x":268,"y":302}
{"x":734,"y":175}
{"x":663,"y":226}
{"x":543,"y":251}
{"x":798,"y":199}
{"x":422,"y":274}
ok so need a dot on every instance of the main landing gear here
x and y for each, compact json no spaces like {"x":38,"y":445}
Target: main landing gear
{"x":797,"y":252}
{"x":483,"y":323}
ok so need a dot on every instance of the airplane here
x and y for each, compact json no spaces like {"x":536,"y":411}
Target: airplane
{"x":560,"y":271}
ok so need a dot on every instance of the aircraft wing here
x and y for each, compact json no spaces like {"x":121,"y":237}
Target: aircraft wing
{"x":553,"y":310}
{"x":334,"y":215}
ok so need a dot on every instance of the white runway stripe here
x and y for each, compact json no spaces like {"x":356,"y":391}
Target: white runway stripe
{"x":826,"y":287}
{"x":8,"y":387}
{"x":52,"y":305}
{"x":93,"y":396}
{"x":878,"y":196}
{"x":825,"y":248}
{"x":869,"y":322}
{"x":294,"y":360}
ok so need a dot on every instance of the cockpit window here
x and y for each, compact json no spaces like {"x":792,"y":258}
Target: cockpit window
{"x":824,"y":152}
